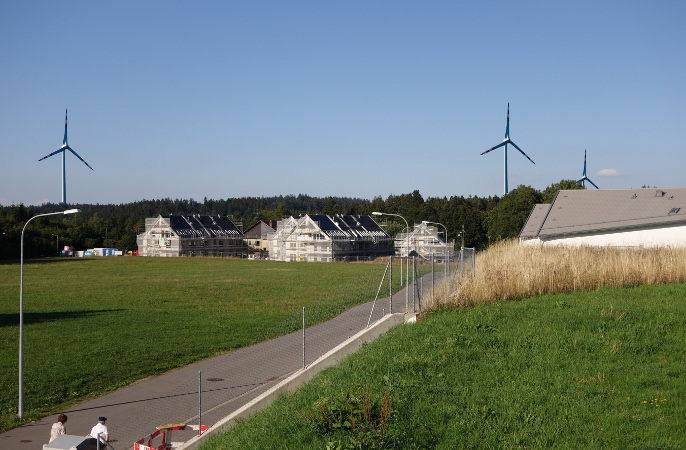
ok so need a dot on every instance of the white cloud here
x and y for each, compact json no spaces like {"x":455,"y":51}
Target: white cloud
{"x":608,"y":173}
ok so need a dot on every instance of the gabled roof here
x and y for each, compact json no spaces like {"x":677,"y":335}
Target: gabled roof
{"x":203,"y":227}
{"x":421,"y":230}
{"x":535,"y":220}
{"x":348,"y":226}
{"x":259,"y":231}
{"x":589,"y":211}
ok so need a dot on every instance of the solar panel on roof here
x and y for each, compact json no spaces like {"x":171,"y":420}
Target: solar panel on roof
{"x":325,"y":223}
{"x":178,"y":222}
{"x":198,"y":226}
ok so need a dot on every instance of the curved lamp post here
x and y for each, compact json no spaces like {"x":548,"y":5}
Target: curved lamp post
{"x":21,"y":309}
{"x":407,"y":265}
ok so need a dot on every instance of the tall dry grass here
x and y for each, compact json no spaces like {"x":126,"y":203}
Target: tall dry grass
{"x":508,"y":270}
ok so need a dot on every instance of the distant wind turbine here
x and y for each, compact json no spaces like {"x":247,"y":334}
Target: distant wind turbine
{"x":585,"y":178}
{"x":506,"y":141}
{"x":63,"y":150}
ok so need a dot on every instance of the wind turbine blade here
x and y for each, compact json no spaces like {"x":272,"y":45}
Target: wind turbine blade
{"x":589,"y":180}
{"x":64,"y":141}
{"x":53,"y":153}
{"x":497,"y":146}
{"x":77,"y":155}
{"x":522,"y":152}
{"x":507,"y":128}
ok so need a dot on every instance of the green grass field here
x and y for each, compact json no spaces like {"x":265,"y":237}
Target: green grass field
{"x":596,"y":370}
{"x":92,"y":325}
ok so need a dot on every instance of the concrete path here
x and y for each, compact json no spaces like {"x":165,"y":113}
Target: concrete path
{"x":228,"y":382}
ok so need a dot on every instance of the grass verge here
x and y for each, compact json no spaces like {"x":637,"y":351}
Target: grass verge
{"x":601,"y":369}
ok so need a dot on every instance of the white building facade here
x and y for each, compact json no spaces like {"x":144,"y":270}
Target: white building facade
{"x":610,"y":217}
{"x":424,"y":241}
{"x":177,"y":235}
{"x":329,"y":238}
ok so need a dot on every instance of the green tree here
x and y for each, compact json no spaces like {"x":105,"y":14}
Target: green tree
{"x":551,"y":191}
{"x":331,"y":207}
{"x":507,"y":219}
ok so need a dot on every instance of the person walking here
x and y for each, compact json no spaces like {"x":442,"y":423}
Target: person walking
{"x":58,"y":427}
{"x":99,"y":431}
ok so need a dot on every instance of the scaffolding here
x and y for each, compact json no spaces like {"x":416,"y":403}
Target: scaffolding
{"x":168,"y":236}
{"x":308,"y":239}
{"x":424,"y":241}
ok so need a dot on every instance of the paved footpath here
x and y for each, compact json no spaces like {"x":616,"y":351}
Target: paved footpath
{"x":228,"y":382}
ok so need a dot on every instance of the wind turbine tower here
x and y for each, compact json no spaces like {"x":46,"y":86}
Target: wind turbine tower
{"x":63,"y":150}
{"x":506,"y":141}
{"x":584,"y":178}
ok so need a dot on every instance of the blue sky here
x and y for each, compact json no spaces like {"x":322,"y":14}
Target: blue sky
{"x":224,"y":99}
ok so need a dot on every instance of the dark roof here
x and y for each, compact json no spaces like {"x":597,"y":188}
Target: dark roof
{"x":204,"y":227}
{"x":348,"y":226}
{"x":590,"y":211}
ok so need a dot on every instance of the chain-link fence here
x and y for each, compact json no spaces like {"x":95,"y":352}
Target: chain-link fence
{"x":208,"y":391}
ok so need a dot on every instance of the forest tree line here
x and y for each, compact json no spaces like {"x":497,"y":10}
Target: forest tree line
{"x":483,"y":219}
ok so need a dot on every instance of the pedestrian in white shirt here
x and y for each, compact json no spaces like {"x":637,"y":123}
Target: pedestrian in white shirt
{"x":99,"y":431}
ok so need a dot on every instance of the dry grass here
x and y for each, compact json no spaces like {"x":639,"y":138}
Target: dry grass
{"x":508,"y":270}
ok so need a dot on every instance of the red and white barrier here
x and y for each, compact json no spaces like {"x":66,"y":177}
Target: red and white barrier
{"x":165,"y":431}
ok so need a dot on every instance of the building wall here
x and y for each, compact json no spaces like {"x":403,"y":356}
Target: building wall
{"x":157,"y":239}
{"x":301,"y":240}
{"x":258,"y":244}
{"x":670,"y":236}
{"x":161,"y":241}
{"x":425,"y":241}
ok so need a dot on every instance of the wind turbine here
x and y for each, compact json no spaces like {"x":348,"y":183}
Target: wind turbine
{"x":585,"y":178}
{"x":63,"y":150}
{"x":506,"y":141}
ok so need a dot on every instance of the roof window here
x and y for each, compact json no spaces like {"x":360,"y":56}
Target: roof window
{"x":674,"y":211}
{"x":660,"y":193}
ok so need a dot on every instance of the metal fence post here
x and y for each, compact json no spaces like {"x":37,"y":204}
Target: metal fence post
{"x":303,"y":337}
{"x":414,"y":285}
{"x":199,"y":403}
{"x":432,"y":278}
{"x":390,"y":284}
{"x":462,"y":262}
{"x":401,"y":271}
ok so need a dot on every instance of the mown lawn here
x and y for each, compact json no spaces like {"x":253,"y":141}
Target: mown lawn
{"x":596,"y":370}
{"x":92,"y":325}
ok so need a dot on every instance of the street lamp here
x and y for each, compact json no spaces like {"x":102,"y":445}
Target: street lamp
{"x":407,"y":265}
{"x":21,"y":309}
{"x":446,"y":241}
{"x":58,"y":243}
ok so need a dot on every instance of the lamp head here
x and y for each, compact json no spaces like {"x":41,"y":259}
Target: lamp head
{"x":377,"y":213}
{"x":71,"y":211}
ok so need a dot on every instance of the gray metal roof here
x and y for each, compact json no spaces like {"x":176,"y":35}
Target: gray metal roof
{"x":588,"y":211}
{"x":535,"y":221}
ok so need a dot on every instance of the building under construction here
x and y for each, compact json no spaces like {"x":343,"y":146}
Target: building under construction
{"x":328,"y":238}
{"x":424,"y":241}
{"x":191,"y":236}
